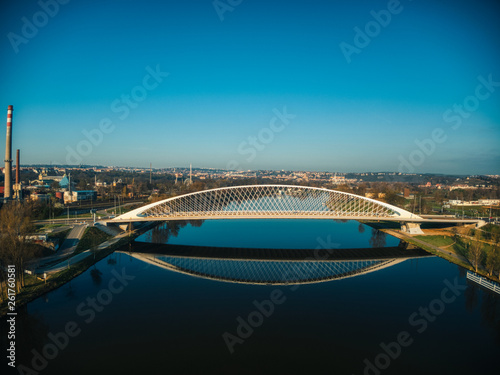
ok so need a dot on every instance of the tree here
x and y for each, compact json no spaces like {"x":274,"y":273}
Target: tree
{"x":83,"y":184}
{"x":493,"y":261}
{"x":15,"y":249}
{"x":54,"y":185}
{"x":392,"y":197}
{"x":475,"y":252}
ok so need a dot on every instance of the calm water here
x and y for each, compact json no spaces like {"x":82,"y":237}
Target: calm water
{"x":128,"y":316}
{"x":277,"y":234}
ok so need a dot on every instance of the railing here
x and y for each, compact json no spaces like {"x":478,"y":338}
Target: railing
{"x":484,"y":282}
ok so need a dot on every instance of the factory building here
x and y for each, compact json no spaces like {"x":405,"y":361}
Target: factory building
{"x":82,"y":195}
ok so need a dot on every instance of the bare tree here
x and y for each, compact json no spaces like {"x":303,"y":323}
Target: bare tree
{"x":15,"y":249}
{"x":493,"y":261}
{"x":475,"y":253}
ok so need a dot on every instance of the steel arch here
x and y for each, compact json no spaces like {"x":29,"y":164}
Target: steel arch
{"x":267,"y":201}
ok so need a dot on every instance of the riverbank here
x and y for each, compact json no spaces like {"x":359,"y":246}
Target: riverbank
{"x":68,"y":271}
{"x":444,"y":252}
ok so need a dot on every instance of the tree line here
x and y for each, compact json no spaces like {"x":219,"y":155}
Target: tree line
{"x":15,"y":248}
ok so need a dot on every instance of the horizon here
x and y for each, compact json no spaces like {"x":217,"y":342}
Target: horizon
{"x":409,"y":87}
{"x":88,"y":166}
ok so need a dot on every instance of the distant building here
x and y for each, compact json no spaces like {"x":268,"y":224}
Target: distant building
{"x":40,"y":197}
{"x":488,"y":202}
{"x":82,"y":195}
{"x":406,"y":193}
{"x":64,"y":182}
{"x":480,"y":202}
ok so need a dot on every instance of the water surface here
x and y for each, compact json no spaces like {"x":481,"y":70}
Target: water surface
{"x":158,"y":320}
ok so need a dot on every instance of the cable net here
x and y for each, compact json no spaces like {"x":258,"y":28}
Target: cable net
{"x":270,"y":201}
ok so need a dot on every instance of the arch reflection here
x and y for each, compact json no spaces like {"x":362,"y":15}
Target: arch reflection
{"x":272,"y":266}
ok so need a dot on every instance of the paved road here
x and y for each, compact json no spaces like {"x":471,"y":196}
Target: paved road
{"x":77,"y":258}
{"x":69,"y":244}
{"x":67,"y":248}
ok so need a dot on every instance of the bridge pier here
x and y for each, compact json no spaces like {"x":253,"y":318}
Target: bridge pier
{"x":411,"y":228}
{"x":127,"y":226}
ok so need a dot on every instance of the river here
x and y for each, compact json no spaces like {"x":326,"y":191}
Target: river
{"x":177,"y":303}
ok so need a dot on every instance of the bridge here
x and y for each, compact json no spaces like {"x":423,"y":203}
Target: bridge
{"x":277,"y":202}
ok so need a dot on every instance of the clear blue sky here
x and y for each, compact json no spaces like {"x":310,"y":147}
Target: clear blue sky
{"x":354,"y":111}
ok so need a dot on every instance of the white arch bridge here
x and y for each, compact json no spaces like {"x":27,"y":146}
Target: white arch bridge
{"x":267,"y":201}
{"x":272,"y":202}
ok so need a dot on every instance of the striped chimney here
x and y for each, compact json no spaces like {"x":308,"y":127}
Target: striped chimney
{"x":8,"y":155}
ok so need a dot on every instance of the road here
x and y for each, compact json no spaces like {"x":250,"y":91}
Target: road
{"x":67,"y":248}
{"x":77,"y":258}
{"x":88,"y":220}
{"x":72,"y":239}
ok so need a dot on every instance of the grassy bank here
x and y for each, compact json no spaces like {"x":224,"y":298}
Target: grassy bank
{"x":438,"y":241}
{"x":91,"y":238}
{"x":457,"y":250}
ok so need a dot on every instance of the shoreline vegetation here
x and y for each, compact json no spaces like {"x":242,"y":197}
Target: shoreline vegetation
{"x":37,"y":287}
{"x":471,"y":253}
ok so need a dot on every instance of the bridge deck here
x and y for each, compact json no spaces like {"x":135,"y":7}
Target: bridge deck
{"x":415,"y":219}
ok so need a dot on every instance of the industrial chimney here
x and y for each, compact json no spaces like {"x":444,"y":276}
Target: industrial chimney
{"x":18,"y":167}
{"x":8,"y":156}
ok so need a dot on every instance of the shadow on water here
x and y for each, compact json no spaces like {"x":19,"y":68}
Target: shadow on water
{"x":378,"y":238}
{"x":270,"y":266}
{"x":163,"y":232}
{"x":488,"y":303}
{"x":31,"y":332}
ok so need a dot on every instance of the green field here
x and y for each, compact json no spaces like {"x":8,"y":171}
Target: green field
{"x":92,"y":237}
{"x":436,"y":240}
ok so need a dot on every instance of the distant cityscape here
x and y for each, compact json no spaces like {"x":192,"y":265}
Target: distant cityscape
{"x":68,"y":184}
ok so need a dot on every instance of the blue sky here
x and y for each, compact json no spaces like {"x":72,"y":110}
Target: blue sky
{"x":232,"y":69}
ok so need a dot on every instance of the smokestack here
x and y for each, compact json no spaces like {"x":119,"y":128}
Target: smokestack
{"x":18,"y":166}
{"x":8,"y":155}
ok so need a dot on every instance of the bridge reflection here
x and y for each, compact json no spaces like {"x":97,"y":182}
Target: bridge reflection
{"x":271,"y":266}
